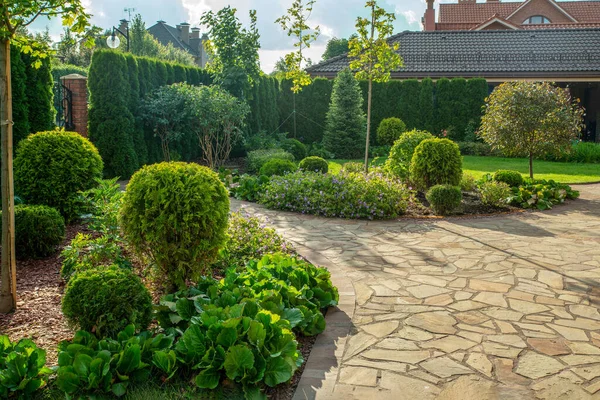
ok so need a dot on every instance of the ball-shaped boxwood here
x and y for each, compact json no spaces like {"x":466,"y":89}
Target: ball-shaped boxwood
{"x":176,"y":215}
{"x":52,"y":167}
{"x":390,"y":130}
{"x":277,"y":167}
{"x":398,"y":163}
{"x":38,"y":231}
{"x":436,"y":162}
{"x":105,"y":300}
{"x":314,"y":164}
{"x":512,"y":178}
{"x":444,"y":199}
{"x":295,"y":147}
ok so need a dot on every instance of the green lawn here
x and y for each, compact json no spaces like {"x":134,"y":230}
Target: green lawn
{"x":479,"y":166}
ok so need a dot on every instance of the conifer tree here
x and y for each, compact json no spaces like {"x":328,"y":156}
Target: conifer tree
{"x":19,"y":99}
{"x":426,"y":106}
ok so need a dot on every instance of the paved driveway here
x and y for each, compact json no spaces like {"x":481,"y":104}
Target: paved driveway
{"x":504,"y":307}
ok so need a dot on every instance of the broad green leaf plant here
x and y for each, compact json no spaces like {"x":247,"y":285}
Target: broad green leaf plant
{"x":373,"y":56}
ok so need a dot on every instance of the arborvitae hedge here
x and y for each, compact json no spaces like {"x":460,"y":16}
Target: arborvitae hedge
{"x":40,"y":94}
{"x":427,"y":106}
{"x":20,"y":106}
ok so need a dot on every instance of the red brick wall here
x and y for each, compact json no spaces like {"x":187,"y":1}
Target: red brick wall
{"x":77,"y":84}
{"x":540,"y":7}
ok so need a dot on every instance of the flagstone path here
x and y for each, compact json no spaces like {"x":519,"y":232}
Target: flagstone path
{"x":504,"y":307}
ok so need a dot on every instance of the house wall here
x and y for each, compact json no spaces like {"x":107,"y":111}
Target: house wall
{"x":540,"y":7}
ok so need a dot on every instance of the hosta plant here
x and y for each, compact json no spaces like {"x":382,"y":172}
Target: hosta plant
{"x":248,"y":187}
{"x":22,"y":368}
{"x":541,"y":194}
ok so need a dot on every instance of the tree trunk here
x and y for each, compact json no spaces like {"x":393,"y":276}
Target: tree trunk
{"x":369,"y":98}
{"x":8,"y":271}
{"x":531,"y":165}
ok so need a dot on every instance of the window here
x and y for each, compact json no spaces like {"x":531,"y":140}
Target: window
{"x":536,"y":19}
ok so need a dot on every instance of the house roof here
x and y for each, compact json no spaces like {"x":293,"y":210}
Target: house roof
{"x":547,"y":53}
{"x":496,"y":19}
{"x":166,"y":34}
{"x":476,"y":13}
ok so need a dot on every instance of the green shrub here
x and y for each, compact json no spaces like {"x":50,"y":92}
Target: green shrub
{"x":106,"y":300}
{"x":51,"y":168}
{"x":317,"y":150}
{"x":346,"y":195}
{"x":468,"y":183}
{"x":248,"y":239}
{"x":38,"y":231}
{"x":176,"y":215}
{"x":379,"y":151}
{"x":103,"y":203}
{"x":495,"y":193}
{"x":314,"y":164}
{"x":444,"y":198}
{"x":390,"y":130}
{"x":477,"y":149}
{"x":511,"y":178}
{"x":257,"y":158}
{"x":353,"y":167}
{"x":248,"y":187}
{"x":294,"y":147}
{"x":398,"y":163}
{"x":277,"y":167}
{"x":581,"y":152}
{"x":22,"y":368}
{"x":541,"y":194}
{"x":436,"y":162}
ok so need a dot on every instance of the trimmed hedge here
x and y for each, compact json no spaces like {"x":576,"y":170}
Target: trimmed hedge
{"x":390,"y":130}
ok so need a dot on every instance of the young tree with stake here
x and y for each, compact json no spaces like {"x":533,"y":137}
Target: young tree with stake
{"x":16,"y":15}
{"x":373,"y":58}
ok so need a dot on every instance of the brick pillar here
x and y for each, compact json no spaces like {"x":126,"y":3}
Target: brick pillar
{"x":77,"y":84}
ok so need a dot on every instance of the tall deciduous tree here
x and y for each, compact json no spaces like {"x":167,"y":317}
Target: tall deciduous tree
{"x":530,"y":118}
{"x":372,"y":56}
{"x":15,"y":15}
{"x":233,"y":50}
{"x":335,"y":47}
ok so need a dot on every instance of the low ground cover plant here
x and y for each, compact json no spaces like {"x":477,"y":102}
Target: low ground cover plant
{"x":22,"y":368}
{"x":372,"y":196}
{"x":248,"y":187}
{"x":541,"y":194}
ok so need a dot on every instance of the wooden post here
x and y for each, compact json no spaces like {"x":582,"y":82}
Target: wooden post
{"x":8,"y":273}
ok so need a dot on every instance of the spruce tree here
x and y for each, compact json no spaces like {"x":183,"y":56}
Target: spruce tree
{"x":19,"y":98}
{"x":426,"y":106}
{"x":345,"y":126}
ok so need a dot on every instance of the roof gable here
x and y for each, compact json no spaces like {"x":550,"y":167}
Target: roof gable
{"x":529,"y":4}
{"x":496,"y":22}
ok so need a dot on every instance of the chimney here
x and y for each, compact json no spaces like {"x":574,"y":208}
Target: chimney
{"x":123,"y":25}
{"x":429,"y":17}
{"x":195,"y":33}
{"x":184,"y":32}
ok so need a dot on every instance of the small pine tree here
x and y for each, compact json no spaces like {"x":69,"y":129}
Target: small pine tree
{"x":345,"y":123}
{"x":19,"y":100}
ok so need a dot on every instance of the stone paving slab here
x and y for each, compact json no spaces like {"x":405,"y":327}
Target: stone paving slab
{"x":502,"y":307}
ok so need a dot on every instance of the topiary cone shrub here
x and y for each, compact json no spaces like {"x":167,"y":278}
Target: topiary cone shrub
{"x":51,"y":168}
{"x":436,"y":162}
{"x":176,"y":214}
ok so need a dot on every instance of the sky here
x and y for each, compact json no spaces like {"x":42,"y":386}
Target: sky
{"x":336,"y":18}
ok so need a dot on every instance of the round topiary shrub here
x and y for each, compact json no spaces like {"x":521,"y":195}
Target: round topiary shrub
{"x":176,"y":215}
{"x":398,"y":163}
{"x":444,"y":199}
{"x":52,"y":167}
{"x":295,"y":147}
{"x":277,"y":167}
{"x":314,"y":164}
{"x":512,"y":178}
{"x":436,"y":162}
{"x":38,"y":231}
{"x":390,"y":130}
{"x":106,"y":300}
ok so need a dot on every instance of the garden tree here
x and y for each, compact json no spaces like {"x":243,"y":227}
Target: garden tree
{"x":372,"y":56}
{"x":335,"y":47}
{"x":15,"y":16}
{"x":345,"y":122}
{"x":71,"y":50}
{"x":233,"y":50}
{"x":217,"y":119}
{"x":40,"y":94}
{"x":530,"y":118}
{"x":19,"y":98}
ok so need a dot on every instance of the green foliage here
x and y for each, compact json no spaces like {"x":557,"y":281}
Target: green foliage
{"x":409,"y":111}
{"x":40,"y":94}
{"x":106,"y":300}
{"x":276,"y":167}
{"x":477,"y":92}
{"x":495,"y":193}
{"x":541,"y":194}
{"x":335,"y":47}
{"x":249,"y":187}
{"x":444,"y":104}
{"x":580,"y":152}
{"x":390,"y":130}
{"x":401,"y":154}
{"x":22,"y":368}
{"x":427,"y":105}
{"x":187,"y":197}
{"x":512,"y":178}
{"x":353,"y":167}
{"x":345,"y":126}
{"x":20,"y":106}
{"x":530,"y":119}
{"x":314,"y":164}
{"x":468,"y":183}
{"x":347,"y":196}
{"x":444,"y":198}
{"x":88,"y":366}
{"x":436,"y":162}
{"x":38,"y":231}
{"x":295,"y":147}
{"x":461,"y":107}
{"x":258,"y":158}
{"x":476,"y":149}
{"x":248,"y":239}
{"x":103,"y":203}
{"x":52,"y":167}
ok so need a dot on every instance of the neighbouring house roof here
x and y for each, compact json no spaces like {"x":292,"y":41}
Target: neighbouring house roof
{"x":496,"y":19}
{"x":549,"y":54}
{"x":166,"y":34}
